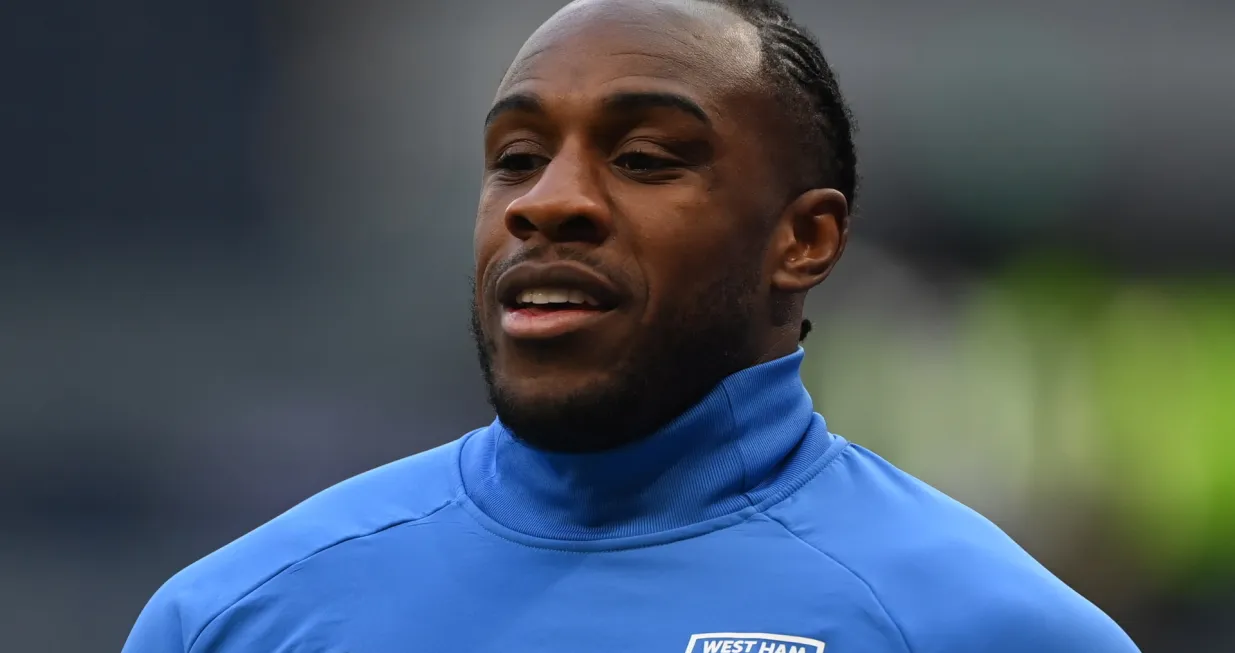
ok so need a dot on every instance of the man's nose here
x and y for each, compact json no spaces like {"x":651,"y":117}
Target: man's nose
{"x":566,"y":204}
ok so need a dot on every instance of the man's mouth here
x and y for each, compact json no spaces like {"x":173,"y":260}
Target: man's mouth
{"x":546,"y":301}
{"x":554,"y":299}
{"x":541,"y":313}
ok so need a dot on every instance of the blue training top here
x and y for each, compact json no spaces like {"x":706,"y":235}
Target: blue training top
{"x":743,"y":526}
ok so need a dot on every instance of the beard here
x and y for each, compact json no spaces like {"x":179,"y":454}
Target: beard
{"x":683,"y":356}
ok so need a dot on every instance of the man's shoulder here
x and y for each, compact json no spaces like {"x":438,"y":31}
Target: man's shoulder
{"x":949,"y":578}
{"x":400,"y":492}
{"x":404,"y":490}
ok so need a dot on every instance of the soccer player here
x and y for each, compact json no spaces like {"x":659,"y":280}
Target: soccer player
{"x":664,"y":181}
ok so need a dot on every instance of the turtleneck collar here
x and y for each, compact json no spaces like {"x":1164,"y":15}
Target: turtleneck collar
{"x":745,"y":441}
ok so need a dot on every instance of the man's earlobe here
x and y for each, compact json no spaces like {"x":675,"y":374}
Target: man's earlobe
{"x":813,"y":232}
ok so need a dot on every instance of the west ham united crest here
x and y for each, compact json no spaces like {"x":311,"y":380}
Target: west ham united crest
{"x":751,"y":643}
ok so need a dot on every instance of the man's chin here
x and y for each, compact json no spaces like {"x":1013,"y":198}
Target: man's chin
{"x":567,"y":412}
{"x":550,"y":392}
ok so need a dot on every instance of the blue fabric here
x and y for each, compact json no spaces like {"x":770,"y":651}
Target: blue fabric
{"x":742,"y":527}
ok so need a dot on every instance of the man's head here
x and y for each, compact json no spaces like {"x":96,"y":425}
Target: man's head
{"x":664,"y":182}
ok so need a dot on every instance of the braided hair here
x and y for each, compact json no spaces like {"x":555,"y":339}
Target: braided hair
{"x":807,"y":87}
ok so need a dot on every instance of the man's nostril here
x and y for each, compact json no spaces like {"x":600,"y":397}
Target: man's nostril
{"x":521,"y":226}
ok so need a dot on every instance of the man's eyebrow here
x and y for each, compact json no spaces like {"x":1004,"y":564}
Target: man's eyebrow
{"x":625,"y":102}
{"x":635,"y":101}
{"x":518,"y":102}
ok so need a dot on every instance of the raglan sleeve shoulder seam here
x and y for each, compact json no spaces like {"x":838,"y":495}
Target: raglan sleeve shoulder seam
{"x":280,"y":569}
{"x":900,"y":630}
{"x":181,"y":611}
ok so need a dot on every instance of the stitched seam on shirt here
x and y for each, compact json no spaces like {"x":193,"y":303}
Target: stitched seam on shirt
{"x":549,"y":544}
{"x":733,"y":428}
{"x":887,"y":613}
{"x":293,"y":563}
{"x":827,"y":460}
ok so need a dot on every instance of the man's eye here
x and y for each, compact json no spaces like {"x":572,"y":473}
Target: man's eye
{"x":518,"y":162}
{"x":641,"y":162}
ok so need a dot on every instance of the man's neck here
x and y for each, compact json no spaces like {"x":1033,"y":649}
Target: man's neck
{"x":710,"y":461}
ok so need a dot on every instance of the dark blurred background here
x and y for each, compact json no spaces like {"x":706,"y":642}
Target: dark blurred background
{"x":235,"y":240}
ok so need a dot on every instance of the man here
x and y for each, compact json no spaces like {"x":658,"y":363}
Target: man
{"x":665,"y":180}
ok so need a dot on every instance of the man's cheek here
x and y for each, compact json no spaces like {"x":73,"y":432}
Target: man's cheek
{"x":488,"y":225}
{"x":700,"y":259}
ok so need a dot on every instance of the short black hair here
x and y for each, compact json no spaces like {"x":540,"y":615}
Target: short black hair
{"x":807,"y":86}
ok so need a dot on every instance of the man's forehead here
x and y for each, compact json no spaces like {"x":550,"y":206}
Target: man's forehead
{"x":684,"y":40}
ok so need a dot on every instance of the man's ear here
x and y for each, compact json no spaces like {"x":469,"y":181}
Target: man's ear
{"x":810,"y":238}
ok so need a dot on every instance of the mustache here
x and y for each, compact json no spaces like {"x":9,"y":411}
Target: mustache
{"x":548,"y":254}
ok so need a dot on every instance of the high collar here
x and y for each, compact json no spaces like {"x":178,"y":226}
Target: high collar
{"x":740,"y":443}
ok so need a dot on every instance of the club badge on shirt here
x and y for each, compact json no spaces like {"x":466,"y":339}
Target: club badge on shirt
{"x":751,"y":643}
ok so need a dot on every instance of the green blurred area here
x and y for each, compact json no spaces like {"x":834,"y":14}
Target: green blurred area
{"x":1059,"y":399}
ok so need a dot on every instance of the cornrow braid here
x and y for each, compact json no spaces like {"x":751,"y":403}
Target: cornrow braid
{"x":808,"y":88}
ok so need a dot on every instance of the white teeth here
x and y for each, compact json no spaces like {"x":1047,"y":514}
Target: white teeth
{"x":555,"y":296}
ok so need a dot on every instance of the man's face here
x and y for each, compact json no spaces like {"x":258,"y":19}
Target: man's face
{"x":624,"y":216}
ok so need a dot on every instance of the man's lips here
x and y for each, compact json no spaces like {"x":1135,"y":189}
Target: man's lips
{"x":547,"y":300}
{"x":533,"y":323}
{"x":563,"y":275}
